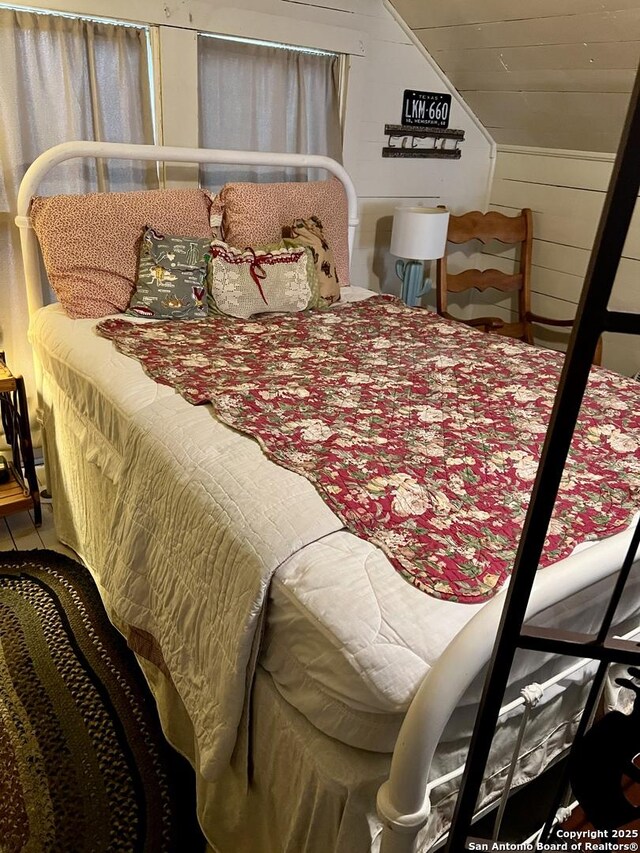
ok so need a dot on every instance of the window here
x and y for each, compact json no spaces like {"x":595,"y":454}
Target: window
{"x":62,"y":78}
{"x":265,"y":97}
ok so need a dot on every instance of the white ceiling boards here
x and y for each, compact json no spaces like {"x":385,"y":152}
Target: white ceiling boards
{"x":554,"y":73}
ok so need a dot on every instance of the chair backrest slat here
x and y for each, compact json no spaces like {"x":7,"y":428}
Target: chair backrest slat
{"x":483,"y":280}
{"x":486,"y":227}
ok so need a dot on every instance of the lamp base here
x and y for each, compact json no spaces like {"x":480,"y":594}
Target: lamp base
{"x":414,"y":284}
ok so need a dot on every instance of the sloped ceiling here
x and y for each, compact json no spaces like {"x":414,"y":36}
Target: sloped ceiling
{"x":548,"y":73}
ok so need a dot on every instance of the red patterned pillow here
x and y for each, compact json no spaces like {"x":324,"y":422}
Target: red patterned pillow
{"x":253,"y":214}
{"x":90,"y":243}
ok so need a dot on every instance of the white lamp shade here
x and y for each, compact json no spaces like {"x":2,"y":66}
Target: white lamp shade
{"x":419,"y":233}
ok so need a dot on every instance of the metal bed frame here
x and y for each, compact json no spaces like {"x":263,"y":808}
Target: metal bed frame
{"x":404,"y":800}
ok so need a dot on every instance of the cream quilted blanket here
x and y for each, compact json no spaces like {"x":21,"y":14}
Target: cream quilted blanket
{"x":193,"y":554}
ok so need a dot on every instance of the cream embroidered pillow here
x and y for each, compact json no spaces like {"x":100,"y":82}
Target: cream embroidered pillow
{"x":244,"y":282}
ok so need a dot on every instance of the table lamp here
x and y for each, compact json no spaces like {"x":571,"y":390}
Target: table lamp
{"x":419,"y":234}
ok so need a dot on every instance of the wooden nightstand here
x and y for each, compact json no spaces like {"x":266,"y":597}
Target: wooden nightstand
{"x":21,"y":492}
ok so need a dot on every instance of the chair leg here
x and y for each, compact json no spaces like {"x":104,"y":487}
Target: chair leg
{"x":597,"y":356}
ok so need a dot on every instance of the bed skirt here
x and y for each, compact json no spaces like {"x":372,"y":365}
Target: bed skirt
{"x":320,"y":800}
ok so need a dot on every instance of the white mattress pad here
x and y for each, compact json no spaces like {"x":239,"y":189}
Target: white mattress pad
{"x":347,"y":640}
{"x":348,"y":646}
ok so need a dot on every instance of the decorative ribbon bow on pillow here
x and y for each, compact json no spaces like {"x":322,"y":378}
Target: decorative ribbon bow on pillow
{"x":257,"y":272}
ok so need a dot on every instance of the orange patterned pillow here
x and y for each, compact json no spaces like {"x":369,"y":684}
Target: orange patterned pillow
{"x":253,"y":214}
{"x":90,"y":243}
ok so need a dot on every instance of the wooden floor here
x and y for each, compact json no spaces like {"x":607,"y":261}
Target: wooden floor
{"x":19,"y":533}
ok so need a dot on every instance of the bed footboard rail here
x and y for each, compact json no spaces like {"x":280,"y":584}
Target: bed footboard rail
{"x":403,"y":801}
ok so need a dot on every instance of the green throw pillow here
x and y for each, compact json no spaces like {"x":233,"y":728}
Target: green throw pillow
{"x":171,"y":283}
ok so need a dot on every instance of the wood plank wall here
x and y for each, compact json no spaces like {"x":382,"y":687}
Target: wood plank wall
{"x":553,"y":73}
{"x":566,"y":192}
{"x":376,"y":83}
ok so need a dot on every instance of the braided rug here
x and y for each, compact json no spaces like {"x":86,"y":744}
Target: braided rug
{"x":83,"y":762}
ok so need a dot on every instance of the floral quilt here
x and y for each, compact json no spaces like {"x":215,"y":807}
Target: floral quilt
{"x":421,"y":434}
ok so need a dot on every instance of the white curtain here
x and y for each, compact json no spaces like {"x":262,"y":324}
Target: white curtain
{"x":62,"y":79}
{"x":265,"y":98}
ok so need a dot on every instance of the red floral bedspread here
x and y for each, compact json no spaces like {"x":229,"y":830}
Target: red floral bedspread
{"x":421,"y":435}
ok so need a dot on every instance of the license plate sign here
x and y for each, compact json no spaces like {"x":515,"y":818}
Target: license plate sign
{"x":425,"y":109}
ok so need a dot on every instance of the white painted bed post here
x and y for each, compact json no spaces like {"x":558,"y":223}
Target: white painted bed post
{"x":403,"y":800}
{"x":161,"y":153}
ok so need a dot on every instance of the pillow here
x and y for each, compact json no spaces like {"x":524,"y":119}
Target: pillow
{"x":308,"y":232}
{"x":90,"y":243}
{"x":244,"y":282}
{"x":253,"y":214}
{"x":172,"y":276}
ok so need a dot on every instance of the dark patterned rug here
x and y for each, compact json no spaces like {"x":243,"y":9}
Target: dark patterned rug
{"x":84,"y":767}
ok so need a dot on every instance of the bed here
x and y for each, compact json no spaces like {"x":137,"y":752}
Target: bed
{"x":289,"y":706}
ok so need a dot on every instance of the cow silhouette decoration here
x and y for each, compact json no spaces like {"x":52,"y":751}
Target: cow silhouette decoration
{"x":600,"y":761}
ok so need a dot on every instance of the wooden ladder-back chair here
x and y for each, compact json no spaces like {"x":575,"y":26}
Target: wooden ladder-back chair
{"x":512,"y":230}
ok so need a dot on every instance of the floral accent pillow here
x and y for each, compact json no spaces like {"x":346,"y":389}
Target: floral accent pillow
{"x":172,"y":277}
{"x":244,"y":282}
{"x":308,"y":232}
{"x":253,"y":214}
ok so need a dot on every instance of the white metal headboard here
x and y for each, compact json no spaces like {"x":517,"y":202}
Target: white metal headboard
{"x":161,"y":153}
